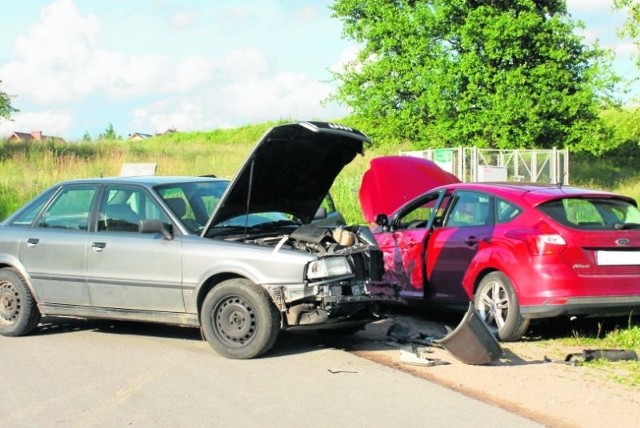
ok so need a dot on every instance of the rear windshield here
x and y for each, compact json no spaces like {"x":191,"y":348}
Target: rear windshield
{"x":593,"y":213}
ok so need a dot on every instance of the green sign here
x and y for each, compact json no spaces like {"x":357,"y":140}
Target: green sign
{"x":443,"y":155}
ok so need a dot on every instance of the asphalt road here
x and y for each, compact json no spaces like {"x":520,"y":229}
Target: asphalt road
{"x":112,"y":374}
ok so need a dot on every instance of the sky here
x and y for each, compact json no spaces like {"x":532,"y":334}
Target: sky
{"x":76,"y":66}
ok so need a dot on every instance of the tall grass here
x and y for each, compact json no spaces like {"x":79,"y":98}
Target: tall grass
{"x":28,"y":168}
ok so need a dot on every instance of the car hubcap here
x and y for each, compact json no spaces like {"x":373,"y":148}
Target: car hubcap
{"x":9,"y":303}
{"x":494,"y":305}
{"x":234,"y":321}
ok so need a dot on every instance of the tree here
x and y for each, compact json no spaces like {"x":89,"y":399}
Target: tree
{"x":5,"y":106}
{"x":109,"y":133}
{"x":490,"y":73}
{"x":631,"y":26}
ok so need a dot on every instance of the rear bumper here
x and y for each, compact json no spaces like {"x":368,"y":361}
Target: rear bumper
{"x":599,"y":306}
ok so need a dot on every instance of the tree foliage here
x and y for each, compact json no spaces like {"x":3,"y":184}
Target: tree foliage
{"x":5,"y":106}
{"x":109,"y":133}
{"x":490,"y":73}
{"x":631,"y":26}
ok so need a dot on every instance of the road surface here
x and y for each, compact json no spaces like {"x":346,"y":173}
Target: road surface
{"x":74,"y":373}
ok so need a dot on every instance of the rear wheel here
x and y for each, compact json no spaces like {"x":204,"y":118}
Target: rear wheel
{"x":497,"y":305}
{"x":19,"y":314}
{"x":239,"y":320}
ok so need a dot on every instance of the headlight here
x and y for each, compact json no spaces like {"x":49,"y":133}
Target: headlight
{"x":325,"y":268}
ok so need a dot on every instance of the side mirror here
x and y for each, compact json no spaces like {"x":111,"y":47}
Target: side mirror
{"x":155,"y":226}
{"x":383,"y":221}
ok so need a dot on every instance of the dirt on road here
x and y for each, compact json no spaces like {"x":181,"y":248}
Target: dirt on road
{"x":530,"y":379}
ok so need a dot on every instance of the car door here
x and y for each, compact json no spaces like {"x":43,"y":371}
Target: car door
{"x":54,"y":250}
{"x":128,"y":269}
{"x":452,"y":248}
{"x":403,"y":244}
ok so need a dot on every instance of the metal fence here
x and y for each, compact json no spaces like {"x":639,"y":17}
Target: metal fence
{"x":474,"y":164}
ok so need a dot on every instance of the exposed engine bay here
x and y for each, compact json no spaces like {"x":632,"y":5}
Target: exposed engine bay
{"x":319,"y":240}
{"x":342,"y":280}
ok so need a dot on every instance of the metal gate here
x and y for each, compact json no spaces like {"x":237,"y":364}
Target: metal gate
{"x":474,"y":164}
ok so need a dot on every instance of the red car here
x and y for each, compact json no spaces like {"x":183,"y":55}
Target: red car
{"x":518,"y":251}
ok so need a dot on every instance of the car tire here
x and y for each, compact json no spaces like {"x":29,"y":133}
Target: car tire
{"x":497,"y":305}
{"x":239,"y":320}
{"x":19,"y":314}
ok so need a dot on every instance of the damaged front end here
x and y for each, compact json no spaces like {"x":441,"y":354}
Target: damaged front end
{"x":342,"y":285}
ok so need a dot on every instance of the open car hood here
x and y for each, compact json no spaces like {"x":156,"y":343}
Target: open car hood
{"x":290,"y":170}
{"x":392,"y":181}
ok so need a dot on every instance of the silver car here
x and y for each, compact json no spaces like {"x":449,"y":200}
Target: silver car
{"x":240,"y":260}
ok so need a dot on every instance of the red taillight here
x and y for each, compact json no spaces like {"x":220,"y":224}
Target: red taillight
{"x":541,"y":239}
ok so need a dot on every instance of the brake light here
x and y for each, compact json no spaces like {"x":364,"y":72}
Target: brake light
{"x":541,"y":239}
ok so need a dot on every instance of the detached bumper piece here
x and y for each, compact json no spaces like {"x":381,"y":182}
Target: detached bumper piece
{"x":472,"y":342}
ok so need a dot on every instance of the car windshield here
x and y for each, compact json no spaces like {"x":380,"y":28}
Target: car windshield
{"x":193,"y":203}
{"x":593,"y":213}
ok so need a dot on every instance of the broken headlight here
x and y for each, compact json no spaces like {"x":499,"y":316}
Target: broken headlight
{"x":328,"y":267}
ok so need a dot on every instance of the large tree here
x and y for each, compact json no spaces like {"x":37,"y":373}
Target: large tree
{"x":491,"y":73}
{"x":631,"y":26}
{"x":5,"y":106}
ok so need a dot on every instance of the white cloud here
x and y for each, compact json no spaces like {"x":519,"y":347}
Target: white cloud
{"x":244,"y":92}
{"x":242,"y":63}
{"x":626,"y":49}
{"x":183,"y":19}
{"x":51,"y":122}
{"x":59,"y":61}
{"x":589,"y":5}
{"x":346,"y":56}
{"x":307,"y":13}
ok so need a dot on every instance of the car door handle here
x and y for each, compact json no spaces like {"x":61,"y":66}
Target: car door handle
{"x":32,"y":242}
{"x":98,"y":246}
{"x":471,"y":241}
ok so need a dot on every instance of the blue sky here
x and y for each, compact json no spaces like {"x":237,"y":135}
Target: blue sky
{"x":74,"y":66}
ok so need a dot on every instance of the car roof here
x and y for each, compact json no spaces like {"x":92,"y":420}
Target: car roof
{"x":147,"y":180}
{"x":536,"y":193}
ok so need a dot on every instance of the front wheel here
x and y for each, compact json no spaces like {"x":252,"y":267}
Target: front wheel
{"x":19,"y":314}
{"x":239,"y":320}
{"x":497,"y":305}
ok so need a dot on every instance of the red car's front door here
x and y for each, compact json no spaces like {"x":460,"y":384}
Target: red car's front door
{"x":452,"y":249}
{"x":404,"y":259}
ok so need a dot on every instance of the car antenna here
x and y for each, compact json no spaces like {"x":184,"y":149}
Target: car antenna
{"x":246,"y":217}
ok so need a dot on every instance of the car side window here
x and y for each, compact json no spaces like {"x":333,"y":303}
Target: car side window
{"x":28,"y":214}
{"x":416,"y":215}
{"x":70,"y":209}
{"x":470,"y":209}
{"x":122,"y":209}
{"x":506,"y":211}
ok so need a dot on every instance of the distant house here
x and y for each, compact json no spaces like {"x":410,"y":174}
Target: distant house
{"x":168,"y":131}
{"x":18,"y":137}
{"x":139,"y":136}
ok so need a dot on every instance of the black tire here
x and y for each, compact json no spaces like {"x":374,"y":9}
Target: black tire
{"x":497,"y":305}
{"x":239,"y":320}
{"x":19,"y":314}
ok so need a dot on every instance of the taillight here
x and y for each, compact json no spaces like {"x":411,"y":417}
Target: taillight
{"x":541,"y":239}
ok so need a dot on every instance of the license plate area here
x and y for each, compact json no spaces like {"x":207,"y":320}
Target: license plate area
{"x":617,"y":258}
